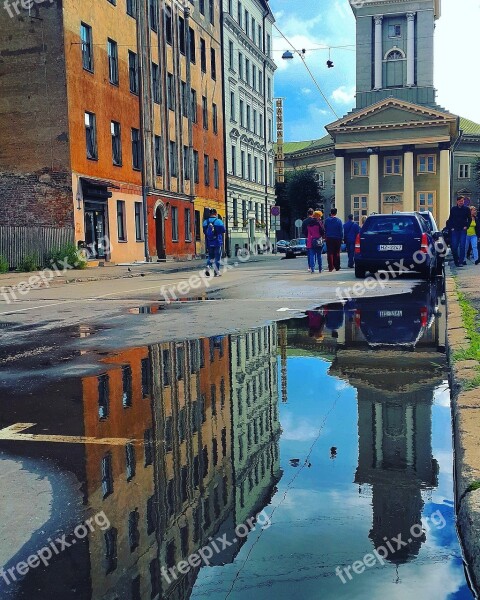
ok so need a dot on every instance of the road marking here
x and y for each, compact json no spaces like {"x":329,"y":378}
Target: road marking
{"x":12,"y":433}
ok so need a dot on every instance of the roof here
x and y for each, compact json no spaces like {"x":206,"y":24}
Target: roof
{"x":469,"y":127}
{"x":291,"y":147}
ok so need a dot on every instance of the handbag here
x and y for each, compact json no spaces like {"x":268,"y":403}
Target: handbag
{"x":317,"y":243}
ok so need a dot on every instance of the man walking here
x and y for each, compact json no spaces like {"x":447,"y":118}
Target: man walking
{"x":214,"y":230}
{"x":334,"y":237}
{"x":350,"y":232}
{"x":458,"y":223}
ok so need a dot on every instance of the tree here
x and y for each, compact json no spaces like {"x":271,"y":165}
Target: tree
{"x":299,"y":193}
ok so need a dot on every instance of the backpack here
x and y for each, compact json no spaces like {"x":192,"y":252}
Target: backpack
{"x":210,"y":233}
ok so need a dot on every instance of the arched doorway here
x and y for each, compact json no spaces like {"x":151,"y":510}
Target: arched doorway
{"x":160,"y":233}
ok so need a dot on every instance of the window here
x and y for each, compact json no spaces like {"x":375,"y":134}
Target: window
{"x":103,"y":396}
{"x":201,"y":6}
{"x":211,"y":11}
{"x":112,"y":49}
{"x":198,"y":237}
{"x":234,"y":160}
{"x":240,"y":65}
{"x":168,"y":26}
{"x":156,"y":83}
{"x":126,"y":386}
{"x":148,"y":447}
{"x":132,"y":8}
{"x":242,"y":164}
{"x":136,"y":151}
{"x":254,"y":77}
{"x":91,"y":135}
{"x":186,"y":162}
{"x":184,"y":98}
{"x":158,"y":155}
{"x":248,"y":117}
{"x":170,"y":92}
{"x":360,"y":167}
{"x":153,"y":4}
{"x":107,"y":475}
{"x":260,"y":125}
{"x":254,"y":29}
{"x":255,"y":176}
{"x":260,"y":82}
{"x":249,"y":167}
{"x":216,"y":174}
{"x":259,"y":36}
{"x":213,"y":64}
{"x":235,"y":212}
{"x":426,"y":201}
{"x":172,"y":147}
{"x":181,"y":34}
{"x":191,"y":35}
{"x":464,"y":171}
{"x":133,"y":71}
{"x":269,"y":88}
{"x":242,"y":122}
{"x":247,"y":22}
{"x":254,"y":121}
{"x":232,"y":107}
{"x":206,"y":169}
{"x":359,"y":207}
{"x":395,"y":55}
{"x":269,"y":44}
{"x":230,"y":55}
{"x":239,"y":13}
{"x":138,"y":221}
{"x":130,"y":461}
{"x":247,"y":70}
{"x":394,"y":31}
{"x":196,"y":169}
{"x":133,"y":533}
{"x":204,"y":112}
{"x":203,"y":55}
{"x":188,"y":225}
{"x":110,"y":549}
{"x":193,"y":105}
{"x":122,"y":235}
{"x":393,"y":166}
{"x":87,"y":47}
{"x":174,"y":224}
{"x":270,"y":134}
{"x":230,"y":7}
{"x":215,"y":118}
{"x":427,"y":163}
{"x":262,"y":177}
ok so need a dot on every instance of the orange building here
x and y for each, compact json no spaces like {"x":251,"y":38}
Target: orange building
{"x":129,"y":150}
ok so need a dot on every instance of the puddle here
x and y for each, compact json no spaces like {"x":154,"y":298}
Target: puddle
{"x":293,"y":459}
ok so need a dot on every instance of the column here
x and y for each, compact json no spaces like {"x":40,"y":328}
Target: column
{"x":408,"y":179}
{"x":443,"y":202}
{"x":373,"y":185}
{"x":410,"y":49}
{"x":378,"y":52}
{"x":340,"y":183}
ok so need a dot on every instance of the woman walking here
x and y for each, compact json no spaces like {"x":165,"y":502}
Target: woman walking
{"x":315,"y":237}
{"x":473,"y":231}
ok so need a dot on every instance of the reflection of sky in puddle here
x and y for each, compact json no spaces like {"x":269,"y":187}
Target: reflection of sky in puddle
{"x":322,"y":519}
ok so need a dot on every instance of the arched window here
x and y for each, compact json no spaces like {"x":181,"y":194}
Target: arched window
{"x":395,"y":55}
{"x":394,"y":66}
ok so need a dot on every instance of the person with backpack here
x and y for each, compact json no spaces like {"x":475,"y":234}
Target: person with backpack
{"x":314,"y":231}
{"x":350,"y":232}
{"x":214,"y":230}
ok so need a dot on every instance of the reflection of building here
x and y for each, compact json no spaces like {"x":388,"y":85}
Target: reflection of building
{"x":256,"y":428}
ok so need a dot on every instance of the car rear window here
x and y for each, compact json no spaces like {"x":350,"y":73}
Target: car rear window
{"x":394,"y":224}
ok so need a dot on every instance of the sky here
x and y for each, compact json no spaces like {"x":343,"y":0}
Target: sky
{"x":311,"y":24}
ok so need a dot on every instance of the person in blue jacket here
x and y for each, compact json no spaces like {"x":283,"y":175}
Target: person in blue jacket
{"x":214,"y":230}
{"x":334,"y":237}
{"x":350,"y":232}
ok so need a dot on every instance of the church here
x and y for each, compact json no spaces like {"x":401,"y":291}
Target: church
{"x":397,"y":149}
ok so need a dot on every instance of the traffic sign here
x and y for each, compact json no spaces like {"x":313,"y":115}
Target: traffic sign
{"x":275,"y":211}
{"x":298,"y":223}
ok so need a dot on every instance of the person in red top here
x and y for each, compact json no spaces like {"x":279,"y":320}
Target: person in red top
{"x":314,"y":231}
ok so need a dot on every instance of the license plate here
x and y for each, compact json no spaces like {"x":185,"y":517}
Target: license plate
{"x":390,"y":313}
{"x":386,"y":247}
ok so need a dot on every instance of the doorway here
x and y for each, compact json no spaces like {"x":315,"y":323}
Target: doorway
{"x":95,"y":234}
{"x":160,"y":233}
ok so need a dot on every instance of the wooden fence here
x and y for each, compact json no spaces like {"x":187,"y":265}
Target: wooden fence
{"x":16,"y":243}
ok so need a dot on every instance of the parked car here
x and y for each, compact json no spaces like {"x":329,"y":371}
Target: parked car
{"x":281,"y":246}
{"x":442,"y":242}
{"x":296,"y":248}
{"x":399,"y":238}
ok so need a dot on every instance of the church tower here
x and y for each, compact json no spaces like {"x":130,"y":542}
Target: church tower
{"x":395,"y":50}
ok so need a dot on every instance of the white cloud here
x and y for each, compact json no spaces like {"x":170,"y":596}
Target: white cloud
{"x":344,"y":94}
{"x":305,"y":91}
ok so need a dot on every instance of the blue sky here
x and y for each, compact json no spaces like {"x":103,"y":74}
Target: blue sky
{"x":311,"y":24}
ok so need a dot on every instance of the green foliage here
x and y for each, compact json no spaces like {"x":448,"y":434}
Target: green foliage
{"x":3,"y":264}
{"x":470,"y":322}
{"x":66,"y":255}
{"x":299,"y":193}
{"x":28,"y":264}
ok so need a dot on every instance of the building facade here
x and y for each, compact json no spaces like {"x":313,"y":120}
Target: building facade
{"x":397,"y":149}
{"x":121,"y":140}
{"x":248,"y":81}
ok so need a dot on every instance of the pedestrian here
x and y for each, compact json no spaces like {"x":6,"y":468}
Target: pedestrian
{"x":350,"y":232}
{"x":362,"y":221}
{"x":214,"y":230}
{"x":305,"y":233}
{"x":334,"y":237}
{"x":473,"y":232}
{"x":314,"y":231}
{"x":458,"y":223}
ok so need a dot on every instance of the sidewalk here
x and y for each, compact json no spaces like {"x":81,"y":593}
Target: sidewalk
{"x":12,"y":280}
{"x":465,"y":379}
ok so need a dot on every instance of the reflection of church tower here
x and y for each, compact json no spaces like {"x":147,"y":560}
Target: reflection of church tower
{"x":395,"y":393}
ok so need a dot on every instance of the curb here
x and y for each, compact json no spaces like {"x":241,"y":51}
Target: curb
{"x":466,"y":435}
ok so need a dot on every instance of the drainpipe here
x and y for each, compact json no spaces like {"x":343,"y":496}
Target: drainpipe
{"x":143,"y":48}
{"x":228,"y":250}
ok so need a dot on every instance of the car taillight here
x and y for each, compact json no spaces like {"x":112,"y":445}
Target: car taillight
{"x":357,"y":244}
{"x":358,"y":318}
{"x":424,"y":246}
{"x":424,"y":316}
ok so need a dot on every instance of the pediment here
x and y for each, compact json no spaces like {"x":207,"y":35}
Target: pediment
{"x":392,"y":113}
